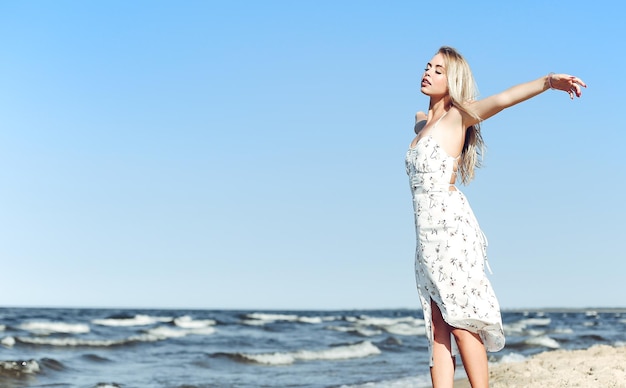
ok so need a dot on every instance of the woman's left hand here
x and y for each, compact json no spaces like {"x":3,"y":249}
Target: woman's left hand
{"x":567,"y":83}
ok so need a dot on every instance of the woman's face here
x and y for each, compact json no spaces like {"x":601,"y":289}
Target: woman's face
{"x":435,"y":80}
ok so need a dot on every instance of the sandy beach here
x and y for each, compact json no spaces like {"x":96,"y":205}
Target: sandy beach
{"x":599,"y":366}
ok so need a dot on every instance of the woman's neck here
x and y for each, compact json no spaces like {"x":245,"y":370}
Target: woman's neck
{"x":438,"y":107}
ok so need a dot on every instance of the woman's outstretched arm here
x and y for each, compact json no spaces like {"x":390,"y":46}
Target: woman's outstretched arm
{"x":491,"y":105}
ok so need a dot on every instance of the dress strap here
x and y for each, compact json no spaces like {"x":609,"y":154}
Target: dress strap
{"x":437,"y":123}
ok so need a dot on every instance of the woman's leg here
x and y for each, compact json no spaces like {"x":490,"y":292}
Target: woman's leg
{"x":442,"y":371}
{"x":474,"y":357}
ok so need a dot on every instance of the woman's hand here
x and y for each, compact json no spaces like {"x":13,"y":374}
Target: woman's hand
{"x":420,"y":122}
{"x":567,"y":83}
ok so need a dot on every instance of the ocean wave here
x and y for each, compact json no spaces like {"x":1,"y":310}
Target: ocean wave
{"x":18,"y":368}
{"x":137,"y":320}
{"x":202,"y":331}
{"x":514,"y":328}
{"x":563,"y":330}
{"x":8,"y":342}
{"x":535,"y":332}
{"x":51,"y":363}
{"x":95,"y":358}
{"x":359,"y":350}
{"x":405,"y":329}
{"x":511,"y":358}
{"x":187,"y":322}
{"x":45,"y":328}
{"x":520,"y":327}
{"x":70,"y":342}
{"x":544,"y":341}
{"x":536,"y":321}
{"x":422,"y":381}
{"x":259,"y":319}
{"x":406,"y":326}
{"x":165,"y":332}
{"x":156,"y":334}
{"x":93,"y":343}
{"x":362,"y":331}
{"x":383,"y":321}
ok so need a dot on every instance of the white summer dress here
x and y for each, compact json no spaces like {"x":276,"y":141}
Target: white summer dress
{"x":451,"y":249}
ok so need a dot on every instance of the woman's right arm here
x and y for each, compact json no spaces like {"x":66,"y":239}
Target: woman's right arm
{"x":492,"y":105}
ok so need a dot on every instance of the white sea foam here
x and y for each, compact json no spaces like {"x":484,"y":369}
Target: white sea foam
{"x":152,"y":335}
{"x":422,"y":381}
{"x":536,"y":321}
{"x":519,"y":327}
{"x":543,"y":341}
{"x":8,"y":342}
{"x":378,"y":321}
{"x":405,"y":329}
{"x":20,"y":367}
{"x":165,"y":332}
{"x":514,"y":328}
{"x":187,"y":322}
{"x":69,"y":342}
{"x":137,"y":320}
{"x":360,"y":350}
{"x":510,"y":358}
{"x":358,"y":330}
{"x":563,"y":330}
{"x":254,"y":322}
{"x":310,"y":319}
{"x":266,"y":318}
{"x":406,"y":326}
{"x":55,"y":327}
{"x":2,"y":327}
{"x":259,"y":319}
{"x":202,"y":331}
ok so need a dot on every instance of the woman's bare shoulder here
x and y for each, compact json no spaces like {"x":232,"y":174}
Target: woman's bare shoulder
{"x":455,"y":117}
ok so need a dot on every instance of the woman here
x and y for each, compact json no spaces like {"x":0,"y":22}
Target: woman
{"x":460,"y":308}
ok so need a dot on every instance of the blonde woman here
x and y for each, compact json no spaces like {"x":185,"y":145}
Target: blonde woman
{"x":460,"y":308}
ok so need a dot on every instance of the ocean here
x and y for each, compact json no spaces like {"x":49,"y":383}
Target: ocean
{"x":109,"y":348}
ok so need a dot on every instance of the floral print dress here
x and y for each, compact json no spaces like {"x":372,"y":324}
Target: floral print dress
{"x":451,"y":249}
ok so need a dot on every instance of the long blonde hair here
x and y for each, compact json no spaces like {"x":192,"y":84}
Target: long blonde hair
{"x":462,"y":89}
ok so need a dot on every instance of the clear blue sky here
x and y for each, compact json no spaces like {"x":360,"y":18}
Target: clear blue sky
{"x":250,"y":154}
